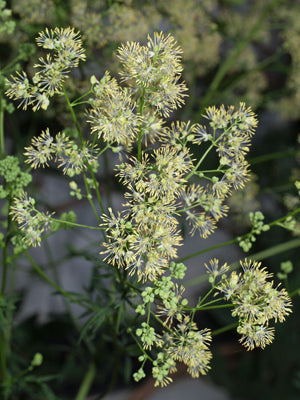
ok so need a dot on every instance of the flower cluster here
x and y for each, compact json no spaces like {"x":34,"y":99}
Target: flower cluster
{"x":184,"y":343}
{"x":147,"y":335}
{"x":152,"y":73}
{"x":145,"y":237}
{"x":32,"y":222}
{"x":229,"y":132}
{"x":63,"y":150}
{"x":258,"y":226}
{"x":167,"y":294}
{"x":162,"y":367}
{"x":154,"y":69}
{"x":52,"y":70}
{"x":256,"y":302}
{"x":189,"y":345}
{"x":142,"y":242}
{"x":112,"y":115}
{"x":157,"y":181}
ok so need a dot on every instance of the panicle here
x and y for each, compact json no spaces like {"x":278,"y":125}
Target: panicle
{"x":152,"y":126}
{"x":229,"y":131}
{"x":189,"y":345}
{"x":21,"y":89}
{"x":255,"y":335}
{"x":163,"y":176}
{"x":67,"y":44}
{"x":41,"y":150}
{"x":154,"y":185}
{"x":162,"y":367}
{"x":141,"y":243}
{"x":179,"y":134}
{"x":52,"y":70}
{"x":112,"y":115}
{"x":198,"y":197}
{"x":32,"y":222}
{"x":61,"y":149}
{"x":256,"y":302}
{"x":157,"y":68}
{"x":147,"y":335}
{"x":171,"y":307}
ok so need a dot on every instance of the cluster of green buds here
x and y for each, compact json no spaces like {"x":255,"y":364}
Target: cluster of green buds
{"x":258,"y":226}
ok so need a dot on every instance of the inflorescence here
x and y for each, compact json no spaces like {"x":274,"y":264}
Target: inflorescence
{"x":52,"y":70}
{"x":164,"y":183}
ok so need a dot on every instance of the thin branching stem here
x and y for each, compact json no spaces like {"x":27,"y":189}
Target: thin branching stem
{"x":224,"y":329}
{"x":88,"y":164}
{"x":141,"y":108}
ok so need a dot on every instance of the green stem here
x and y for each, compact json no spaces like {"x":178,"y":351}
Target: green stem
{"x":87,"y":382}
{"x":205,"y":297}
{"x":118,"y":321}
{"x":82,"y":142}
{"x":90,"y":199}
{"x":160,"y":321}
{"x":208,"y":307}
{"x":141,"y":107}
{"x":4,"y":339}
{"x":278,"y":249}
{"x":224,"y":329}
{"x":73,"y":114}
{"x":4,"y":253}
{"x":149,"y":313}
{"x":138,"y":343}
{"x":2,"y":145}
{"x":200,"y":161}
{"x":200,"y":301}
{"x":214,"y":142}
{"x":2,"y":357}
{"x":272,"y":156}
{"x":96,"y":188}
{"x":217,"y":246}
{"x":74,"y":224}
{"x":4,"y":269}
{"x":295,"y":292}
{"x":215,"y":307}
{"x":107,"y":180}
{"x":77,"y":101}
{"x":290,"y":214}
{"x":212,"y":171}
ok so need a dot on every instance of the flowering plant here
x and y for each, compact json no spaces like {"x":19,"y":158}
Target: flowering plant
{"x":166,"y":187}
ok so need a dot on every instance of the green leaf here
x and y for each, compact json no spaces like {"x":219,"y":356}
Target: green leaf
{"x":90,"y":328}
